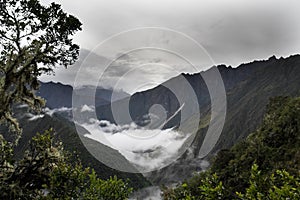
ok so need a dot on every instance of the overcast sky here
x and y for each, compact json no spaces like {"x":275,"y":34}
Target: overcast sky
{"x":231,"y":32}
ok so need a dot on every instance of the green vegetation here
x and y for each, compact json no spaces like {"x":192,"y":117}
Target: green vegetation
{"x":247,"y":100}
{"x":33,"y":40}
{"x":234,"y":173}
{"x":280,"y":185}
{"x":45,"y":172}
{"x":66,"y":133}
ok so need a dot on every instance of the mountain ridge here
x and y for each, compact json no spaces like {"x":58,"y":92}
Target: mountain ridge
{"x":248,"y":89}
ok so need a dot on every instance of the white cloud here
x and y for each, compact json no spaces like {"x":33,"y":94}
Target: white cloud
{"x":146,"y":149}
{"x":52,"y":111}
{"x":86,"y":108}
{"x":34,"y":117}
{"x":23,"y":106}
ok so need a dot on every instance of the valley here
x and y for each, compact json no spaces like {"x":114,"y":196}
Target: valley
{"x":248,"y":89}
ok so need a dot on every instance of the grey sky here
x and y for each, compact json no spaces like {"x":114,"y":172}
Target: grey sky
{"x":231,"y":31}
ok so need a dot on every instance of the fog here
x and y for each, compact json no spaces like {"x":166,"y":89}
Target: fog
{"x":146,"y":149}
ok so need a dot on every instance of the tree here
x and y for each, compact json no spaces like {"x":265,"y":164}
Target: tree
{"x":34,"y":38}
{"x":47,"y":172}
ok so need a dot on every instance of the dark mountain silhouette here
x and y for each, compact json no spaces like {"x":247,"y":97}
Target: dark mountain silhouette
{"x":58,"y":95}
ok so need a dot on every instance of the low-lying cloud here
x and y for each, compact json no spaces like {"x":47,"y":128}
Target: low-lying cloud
{"x":146,"y":149}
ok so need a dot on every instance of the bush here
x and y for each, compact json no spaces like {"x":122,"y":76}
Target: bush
{"x":280,"y":185}
{"x":46,"y":172}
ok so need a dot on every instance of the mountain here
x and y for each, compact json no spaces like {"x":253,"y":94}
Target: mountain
{"x":273,"y":145}
{"x":265,"y":165}
{"x":59,"y":99}
{"x":248,"y":99}
{"x":73,"y":140}
{"x":248,"y":89}
{"x":58,"y":95}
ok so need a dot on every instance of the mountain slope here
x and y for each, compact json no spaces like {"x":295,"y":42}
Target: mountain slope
{"x":273,"y":147}
{"x":248,"y":89}
{"x":247,"y":101}
{"x":72,"y":141}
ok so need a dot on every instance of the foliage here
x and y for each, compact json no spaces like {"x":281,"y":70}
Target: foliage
{"x":66,"y":130}
{"x":280,"y":185}
{"x":33,"y":39}
{"x":274,"y":147}
{"x":45,"y":172}
{"x":203,"y":186}
{"x":111,"y":189}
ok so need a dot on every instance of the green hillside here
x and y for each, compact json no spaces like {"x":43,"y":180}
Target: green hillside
{"x":274,"y":147}
{"x":248,"y":89}
{"x":66,"y":133}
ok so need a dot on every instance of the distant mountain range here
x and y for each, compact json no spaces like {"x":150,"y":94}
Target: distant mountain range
{"x":58,"y":95}
{"x":248,"y":89}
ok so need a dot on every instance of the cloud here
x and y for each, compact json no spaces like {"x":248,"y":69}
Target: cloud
{"x":87,"y":68}
{"x":34,"y":117}
{"x":233,"y":32}
{"x":22,"y":106}
{"x":86,"y":108}
{"x":146,"y":149}
{"x":47,"y":111}
{"x":148,"y":193}
{"x":143,"y":69}
{"x":50,"y":112}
